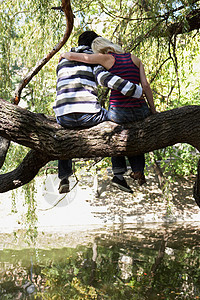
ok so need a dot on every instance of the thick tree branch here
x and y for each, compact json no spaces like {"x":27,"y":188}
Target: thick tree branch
{"x":50,"y":141}
{"x":193,"y":22}
{"x":4,"y":146}
{"x":42,"y":133}
{"x":25,"y":172}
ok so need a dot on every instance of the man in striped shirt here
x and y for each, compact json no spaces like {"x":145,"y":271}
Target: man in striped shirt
{"x":76,"y":102}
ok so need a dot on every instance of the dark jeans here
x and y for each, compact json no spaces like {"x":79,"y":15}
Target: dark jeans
{"x":137,"y":163}
{"x":76,"y":120}
{"x":128,"y":115}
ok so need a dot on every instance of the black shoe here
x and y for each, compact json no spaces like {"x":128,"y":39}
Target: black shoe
{"x":139,"y":176}
{"x":64,"y":186}
{"x":121,"y":184}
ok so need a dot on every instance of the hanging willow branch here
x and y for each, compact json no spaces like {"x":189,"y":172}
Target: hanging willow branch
{"x":66,"y":8}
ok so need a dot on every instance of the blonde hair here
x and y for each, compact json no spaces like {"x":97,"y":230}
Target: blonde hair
{"x":104,"y":46}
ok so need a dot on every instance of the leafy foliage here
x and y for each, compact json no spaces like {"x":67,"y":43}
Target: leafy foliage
{"x":30,"y":29}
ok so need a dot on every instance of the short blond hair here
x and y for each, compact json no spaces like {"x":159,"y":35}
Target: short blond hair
{"x":104,"y":46}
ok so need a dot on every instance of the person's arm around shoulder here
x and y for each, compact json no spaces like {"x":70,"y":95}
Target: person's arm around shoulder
{"x":104,"y":77}
{"x":145,"y":84}
{"x":106,"y":60}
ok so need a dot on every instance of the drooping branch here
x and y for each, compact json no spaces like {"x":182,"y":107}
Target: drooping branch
{"x":191,"y":22}
{"x":66,"y":7}
{"x":25,"y":172}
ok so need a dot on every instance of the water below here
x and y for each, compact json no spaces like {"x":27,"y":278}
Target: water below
{"x":123,"y":262}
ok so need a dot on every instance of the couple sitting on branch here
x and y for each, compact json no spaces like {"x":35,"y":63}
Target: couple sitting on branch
{"x":96,"y":60}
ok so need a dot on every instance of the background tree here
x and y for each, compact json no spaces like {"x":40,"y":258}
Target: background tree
{"x":163,"y":34}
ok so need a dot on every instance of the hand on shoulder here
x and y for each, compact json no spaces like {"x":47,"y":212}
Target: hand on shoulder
{"x":64,"y":55}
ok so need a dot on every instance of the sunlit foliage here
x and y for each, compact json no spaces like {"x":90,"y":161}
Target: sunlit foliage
{"x":149,"y":29}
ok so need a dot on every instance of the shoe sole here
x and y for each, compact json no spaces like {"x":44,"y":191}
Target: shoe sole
{"x":64,"y":189}
{"x":121,"y":187}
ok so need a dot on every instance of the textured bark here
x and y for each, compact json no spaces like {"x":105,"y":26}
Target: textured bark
{"x":4,"y":146}
{"x":25,"y":172}
{"x":50,"y":141}
{"x":42,"y":133}
{"x":193,"y":23}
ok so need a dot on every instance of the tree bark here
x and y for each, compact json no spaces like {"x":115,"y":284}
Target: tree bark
{"x":42,"y":133}
{"x":50,"y":141}
{"x":193,"y":23}
{"x":196,"y":188}
{"x":4,"y":146}
{"x":25,"y":172}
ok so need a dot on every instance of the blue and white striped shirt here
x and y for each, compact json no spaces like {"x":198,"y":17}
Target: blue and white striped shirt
{"x":77,"y":86}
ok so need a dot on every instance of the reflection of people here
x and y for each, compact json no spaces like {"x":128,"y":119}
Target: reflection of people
{"x":76,"y":102}
{"x":122,"y":108}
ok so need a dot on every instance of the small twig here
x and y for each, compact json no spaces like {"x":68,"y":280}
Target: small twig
{"x":19,"y":12}
{"x":175,"y":62}
{"x":158,"y":171}
{"x":48,"y":168}
{"x":59,"y":199}
{"x":158,"y":70}
{"x":94,"y":163}
{"x":57,"y":8}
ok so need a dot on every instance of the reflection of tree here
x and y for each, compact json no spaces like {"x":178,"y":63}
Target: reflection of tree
{"x":155,"y":266}
{"x":17,"y":282}
{"x":118,"y":266}
{"x":94,"y":264}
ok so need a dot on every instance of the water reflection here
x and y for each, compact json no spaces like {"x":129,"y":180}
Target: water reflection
{"x":119,"y":263}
